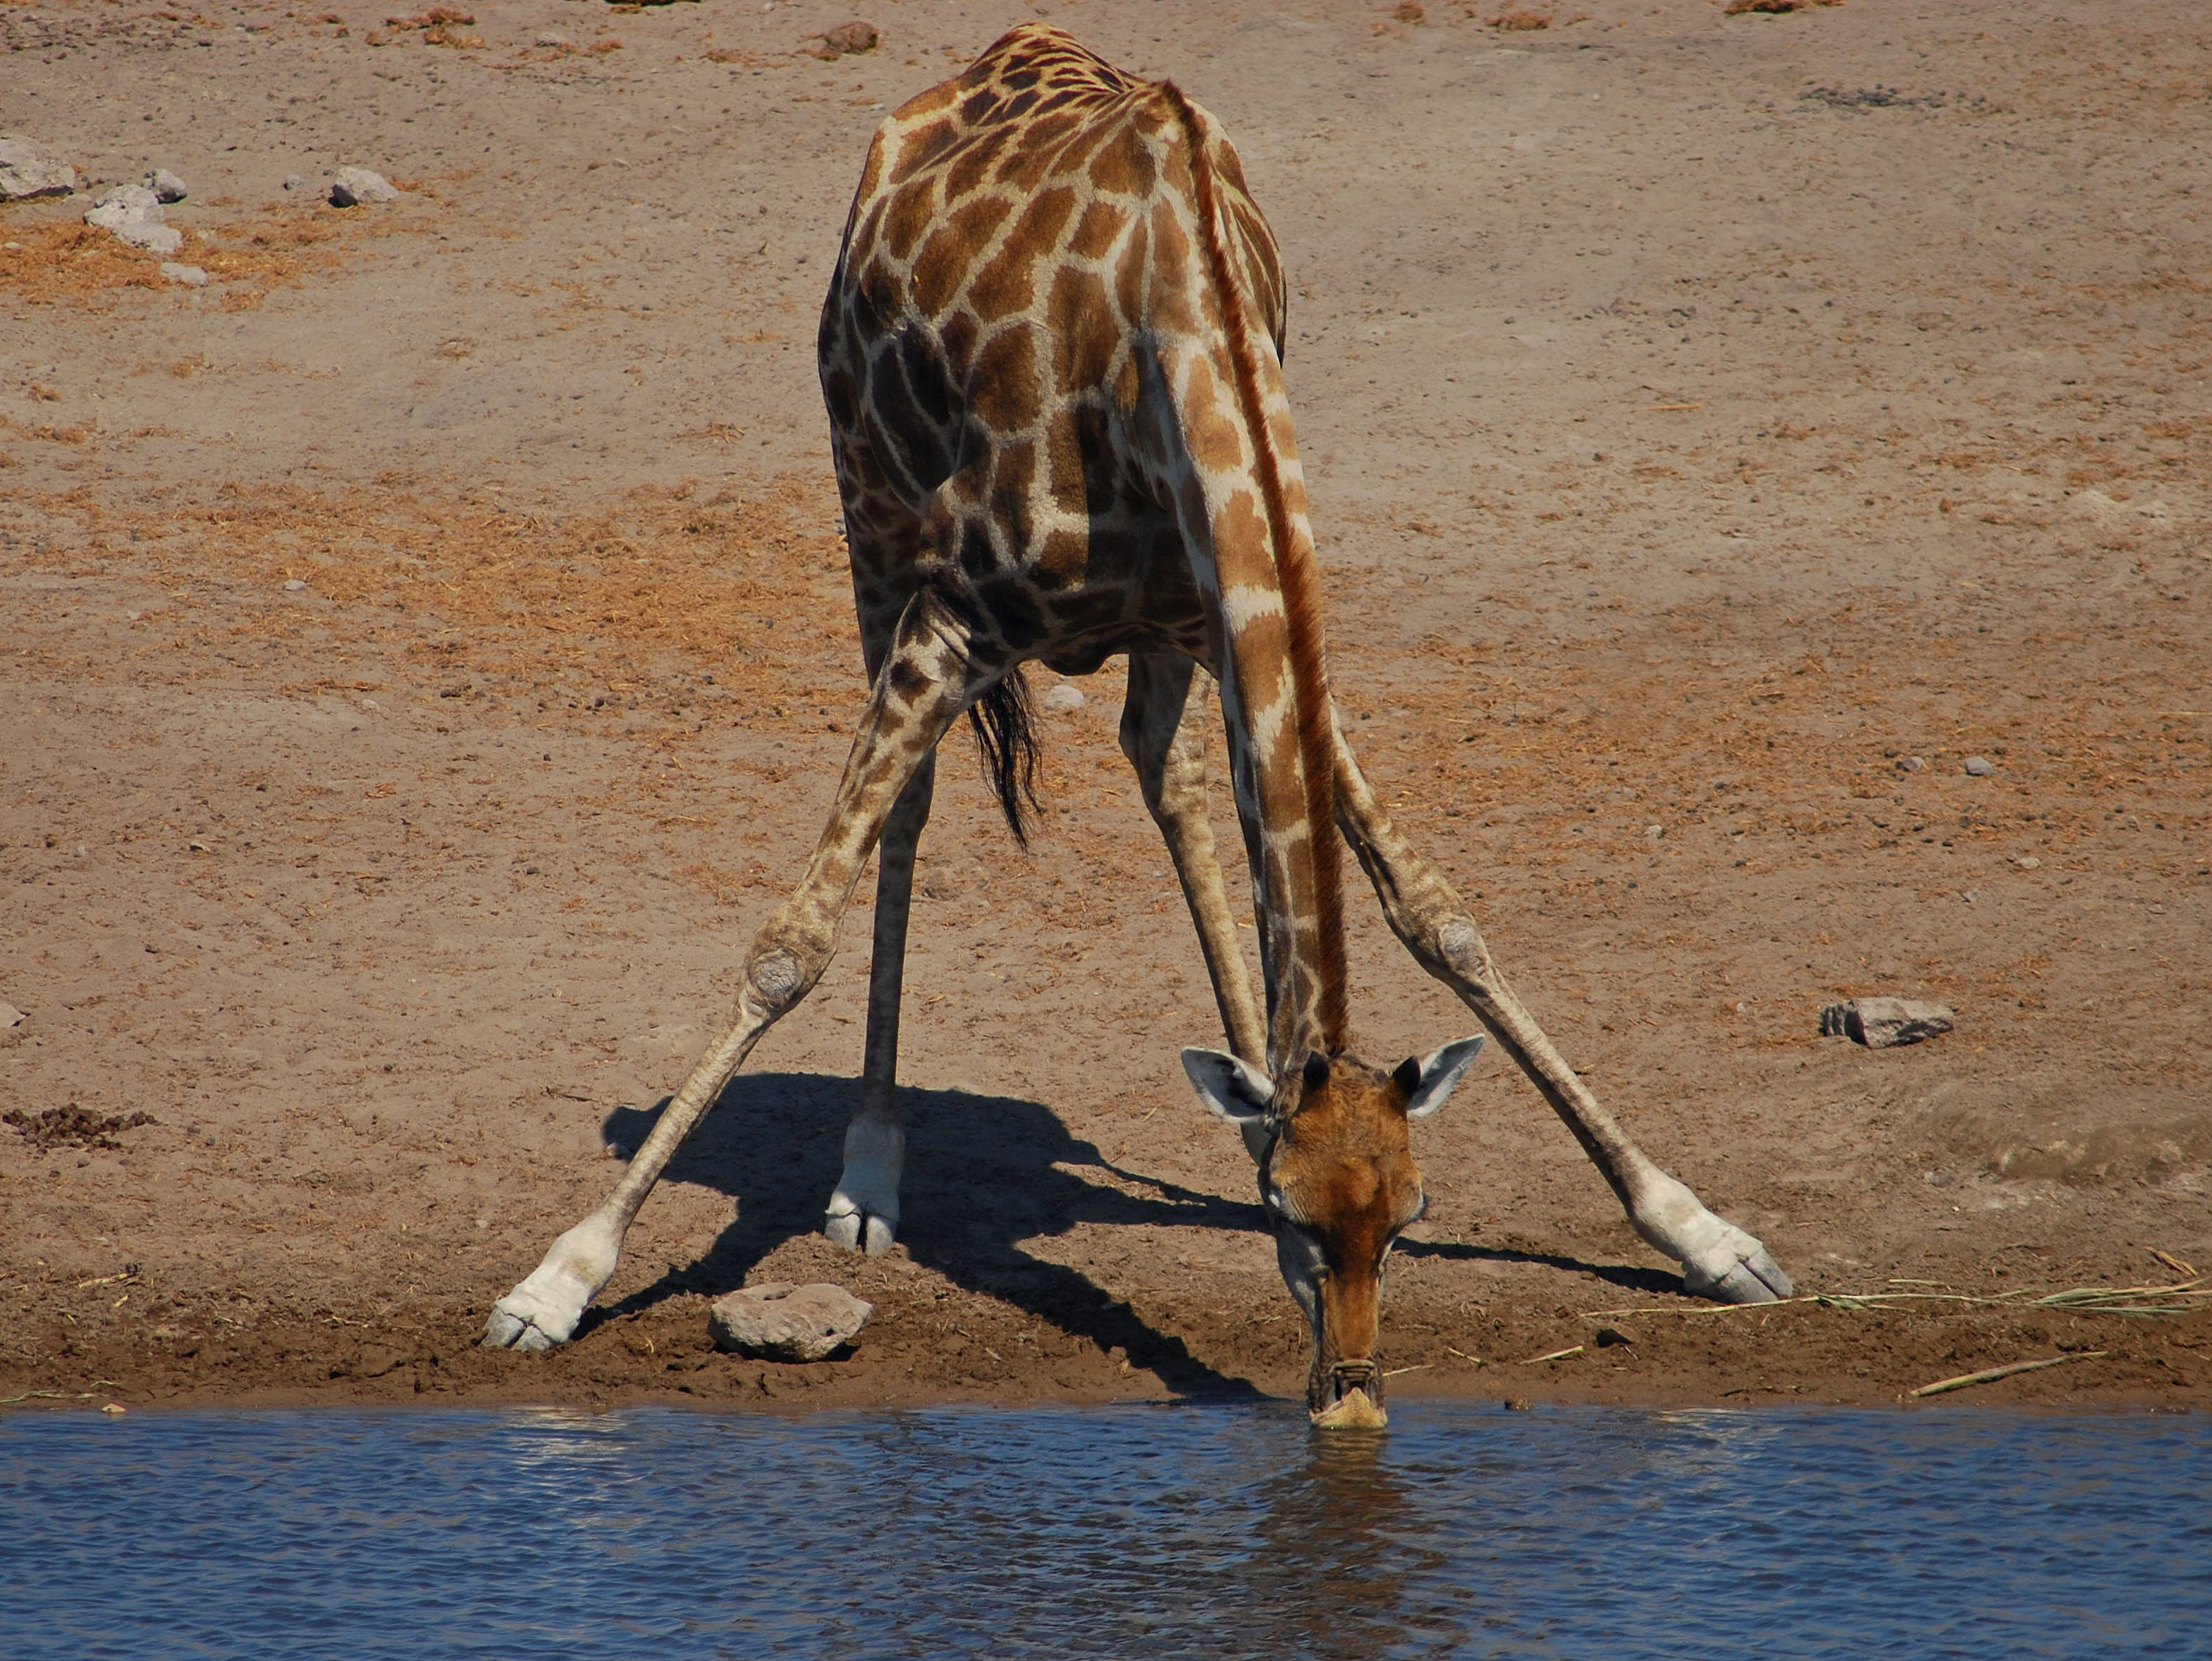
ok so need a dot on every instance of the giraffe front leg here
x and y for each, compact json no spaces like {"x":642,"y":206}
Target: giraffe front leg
{"x":929,"y":678}
{"x":1719,"y":1260}
{"x":864,"y":1211}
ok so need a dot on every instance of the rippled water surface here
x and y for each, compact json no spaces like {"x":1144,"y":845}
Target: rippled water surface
{"x":1465,"y":1531}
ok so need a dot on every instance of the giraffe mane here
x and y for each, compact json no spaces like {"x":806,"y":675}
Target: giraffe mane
{"x":1300,"y":582}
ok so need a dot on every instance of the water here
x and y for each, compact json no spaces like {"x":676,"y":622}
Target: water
{"x":1221,"y":1531}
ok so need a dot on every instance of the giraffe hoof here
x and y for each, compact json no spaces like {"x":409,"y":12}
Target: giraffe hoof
{"x":543,"y":1312}
{"x":862,"y":1231}
{"x":1754,"y":1278}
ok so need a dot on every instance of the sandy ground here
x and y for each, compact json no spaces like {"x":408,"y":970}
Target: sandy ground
{"x":426,"y":655}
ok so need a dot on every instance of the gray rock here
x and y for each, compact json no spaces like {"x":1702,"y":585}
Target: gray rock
{"x":166,"y":186}
{"x":551,"y":38}
{"x":354,"y":188}
{"x":780,"y":1322}
{"x":1885,"y":1023}
{"x":134,"y":213}
{"x":1910,"y":764}
{"x":26,"y":171}
{"x":1980,"y":767}
{"x":190,"y":276}
{"x":113,"y":202}
{"x":1063,"y":697}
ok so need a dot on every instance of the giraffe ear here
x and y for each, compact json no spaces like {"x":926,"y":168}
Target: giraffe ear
{"x":1231,"y":1089}
{"x":1429,"y":1080}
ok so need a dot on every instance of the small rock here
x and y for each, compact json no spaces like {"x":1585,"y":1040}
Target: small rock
{"x":166,"y":186}
{"x":295,"y":181}
{"x":780,"y":1322}
{"x":1063,"y":697}
{"x":26,"y":171}
{"x":1979,"y":767}
{"x":190,"y":276}
{"x":1885,"y":1023}
{"x":549,"y":38}
{"x":354,"y":187}
{"x":2028,"y":862}
{"x":292,"y":585}
{"x":1910,"y":764}
{"x":854,"y":37}
{"x":134,"y":213}
{"x":9,"y":1017}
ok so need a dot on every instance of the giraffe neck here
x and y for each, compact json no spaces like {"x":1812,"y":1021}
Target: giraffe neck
{"x":1315,"y":994}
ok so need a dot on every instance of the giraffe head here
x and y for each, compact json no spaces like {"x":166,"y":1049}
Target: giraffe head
{"x":1338,"y":1181}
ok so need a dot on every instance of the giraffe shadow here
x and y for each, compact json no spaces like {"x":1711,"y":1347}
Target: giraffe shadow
{"x":1627,"y":1277}
{"x":983,"y":1174}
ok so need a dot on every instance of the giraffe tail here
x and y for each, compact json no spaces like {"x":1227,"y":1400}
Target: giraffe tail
{"x":1005,"y":739}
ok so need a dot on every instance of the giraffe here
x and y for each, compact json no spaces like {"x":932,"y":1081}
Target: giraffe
{"x":1051,"y":356}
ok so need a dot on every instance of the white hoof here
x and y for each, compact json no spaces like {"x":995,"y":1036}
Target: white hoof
{"x":544,"y":1311}
{"x":864,"y":1213}
{"x":1719,"y":1260}
{"x":858,"y":1227}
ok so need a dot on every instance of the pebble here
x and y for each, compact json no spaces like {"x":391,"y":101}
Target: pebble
{"x":192,"y":275}
{"x":354,"y":186}
{"x":26,"y":170}
{"x":1063,"y":697}
{"x":1885,"y":1023}
{"x":1979,"y":767}
{"x":549,"y":38}
{"x":9,"y":1017}
{"x":2028,"y":862}
{"x":780,"y":1322}
{"x":295,"y":181}
{"x":1910,"y":764}
{"x":293,"y":586}
{"x":166,"y":186}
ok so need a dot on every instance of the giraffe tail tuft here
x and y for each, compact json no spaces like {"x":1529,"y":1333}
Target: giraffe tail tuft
{"x":1006,"y":738}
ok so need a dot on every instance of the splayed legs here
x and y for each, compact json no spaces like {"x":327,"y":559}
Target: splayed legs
{"x":929,"y":677}
{"x":1719,"y":1260}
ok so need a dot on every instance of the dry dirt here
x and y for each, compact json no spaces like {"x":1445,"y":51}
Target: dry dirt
{"x":1706,"y":413}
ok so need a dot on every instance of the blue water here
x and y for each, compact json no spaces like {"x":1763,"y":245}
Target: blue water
{"x":1220,"y":1531}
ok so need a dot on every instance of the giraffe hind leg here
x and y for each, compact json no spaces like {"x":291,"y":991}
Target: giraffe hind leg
{"x":930,"y":675}
{"x":1719,"y":1260}
{"x":1164,"y":735}
{"x":863,"y":1214}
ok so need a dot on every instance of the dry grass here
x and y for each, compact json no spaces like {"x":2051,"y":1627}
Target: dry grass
{"x":63,"y":262}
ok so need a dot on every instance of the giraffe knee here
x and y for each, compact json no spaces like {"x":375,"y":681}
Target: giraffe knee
{"x":785,"y":963}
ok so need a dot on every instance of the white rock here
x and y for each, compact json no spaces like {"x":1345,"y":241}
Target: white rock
{"x":1885,"y":1023}
{"x":353,"y":187}
{"x":549,"y":38}
{"x":1063,"y":697}
{"x":117,"y":203}
{"x":134,"y":213}
{"x":190,"y":276}
{"x":166,"y":186}
{"x":780,"y":1322}
{"x":26,"y":171}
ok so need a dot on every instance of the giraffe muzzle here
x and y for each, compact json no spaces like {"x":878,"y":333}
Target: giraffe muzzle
{"x":1355,"y":1399}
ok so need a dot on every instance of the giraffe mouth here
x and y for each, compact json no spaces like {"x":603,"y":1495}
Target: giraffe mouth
{"x":1353,"y":1398}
